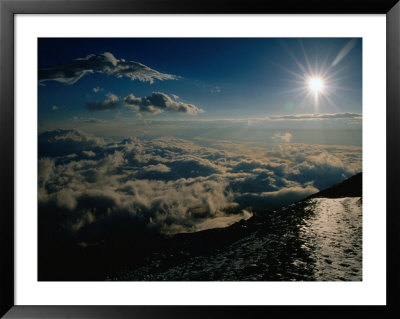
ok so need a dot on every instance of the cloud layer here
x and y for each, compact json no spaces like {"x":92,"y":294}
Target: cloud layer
{"x":317,"y":117}
{"x":171,"y":185}
{"x":105,"y":63}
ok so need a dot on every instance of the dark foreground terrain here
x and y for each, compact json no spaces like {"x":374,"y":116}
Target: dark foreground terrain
{"x":318,"y":238}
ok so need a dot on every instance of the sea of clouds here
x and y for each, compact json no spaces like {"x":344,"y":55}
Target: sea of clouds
{"x":171,"y":185}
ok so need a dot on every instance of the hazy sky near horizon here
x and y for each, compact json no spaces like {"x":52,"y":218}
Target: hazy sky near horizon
{"x":203,"y":86}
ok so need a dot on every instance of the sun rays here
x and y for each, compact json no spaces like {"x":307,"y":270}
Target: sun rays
{"x":316,"y":80}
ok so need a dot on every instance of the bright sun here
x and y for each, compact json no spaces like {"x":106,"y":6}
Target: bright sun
{"x":316,"y":85}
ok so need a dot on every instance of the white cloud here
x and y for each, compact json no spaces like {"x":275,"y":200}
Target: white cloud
{"x":107,"y":63}
{"x":282,"y":137}
{"x":297,"y":192}
{"x":64,"y":142}
{"x":159,"y":102}
{"x":108,"y":104}
{"x":89,"y":153}
{"x":224,"y":221}
{"x":157,"y":168}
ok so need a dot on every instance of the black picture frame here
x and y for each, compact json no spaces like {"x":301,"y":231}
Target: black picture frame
{"x":9,"y":8}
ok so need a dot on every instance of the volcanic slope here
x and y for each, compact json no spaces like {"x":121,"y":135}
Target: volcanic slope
{"x":318,"y":238}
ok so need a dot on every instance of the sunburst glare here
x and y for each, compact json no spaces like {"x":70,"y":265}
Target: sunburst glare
{"x":317,"y":81}
{"x":316,"y":85}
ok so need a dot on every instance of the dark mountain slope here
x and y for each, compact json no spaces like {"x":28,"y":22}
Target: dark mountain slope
{"x":351,"y":187}
{"x":318,"y":238}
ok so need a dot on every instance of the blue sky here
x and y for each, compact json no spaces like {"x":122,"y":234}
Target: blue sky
{"x":247,"y":80}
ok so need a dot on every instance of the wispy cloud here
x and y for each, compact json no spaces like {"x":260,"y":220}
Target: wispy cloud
{"x":315,"y":117}
{"x":215,"y":89}
{"x":90,"y":120}
{"x":107,"y":63}
{"x":279,"y":118}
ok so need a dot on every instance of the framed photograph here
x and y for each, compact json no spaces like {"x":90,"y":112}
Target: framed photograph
{"x":173,"y":159}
